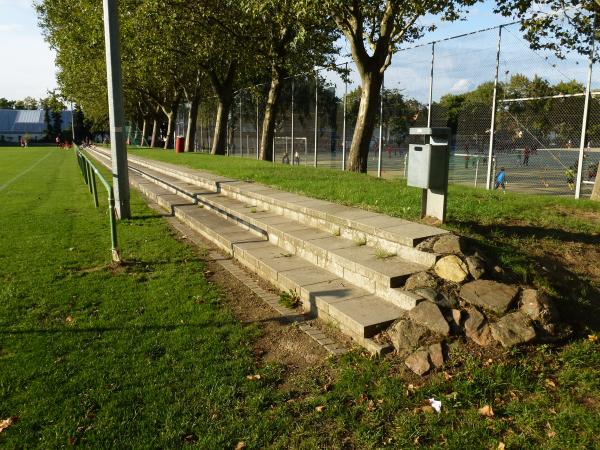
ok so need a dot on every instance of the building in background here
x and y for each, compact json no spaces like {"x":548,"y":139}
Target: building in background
{"x":29,"y":124}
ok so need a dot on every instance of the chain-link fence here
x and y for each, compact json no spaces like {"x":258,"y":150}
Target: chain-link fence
{"x":524,"y":107}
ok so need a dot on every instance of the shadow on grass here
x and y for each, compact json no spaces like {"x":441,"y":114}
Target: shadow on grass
{"x":142,"y":328}
{"x":579,"y":301}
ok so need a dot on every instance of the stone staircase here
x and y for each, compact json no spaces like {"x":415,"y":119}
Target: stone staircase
{"x":347,"y":265}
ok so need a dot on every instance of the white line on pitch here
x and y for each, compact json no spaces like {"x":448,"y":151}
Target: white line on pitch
{"x":9,"y":182}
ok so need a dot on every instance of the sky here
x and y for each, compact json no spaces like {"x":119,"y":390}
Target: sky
{"x":461,"y":64}
{"x":28,"y":63}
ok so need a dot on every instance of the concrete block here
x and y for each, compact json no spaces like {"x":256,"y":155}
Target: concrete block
{"x":365,"y":315}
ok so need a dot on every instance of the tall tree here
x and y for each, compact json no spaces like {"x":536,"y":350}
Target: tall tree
{"x":374,"y":29}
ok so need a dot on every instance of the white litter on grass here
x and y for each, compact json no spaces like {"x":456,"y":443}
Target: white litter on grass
{"x":436,"y":404}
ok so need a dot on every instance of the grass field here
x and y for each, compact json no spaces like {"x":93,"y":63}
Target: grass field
{"x":147,"y":355}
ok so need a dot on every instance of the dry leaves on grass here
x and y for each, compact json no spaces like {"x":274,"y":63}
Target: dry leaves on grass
{"x":501,"y":446}
{"x":240,"y":445}
{"x":486,"y":411}
{"x":320,"y":408}
{"x":253,"y":377}
{"x":593,"y":338}
{"x":6,"y":423}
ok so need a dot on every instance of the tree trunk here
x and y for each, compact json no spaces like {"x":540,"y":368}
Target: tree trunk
{"x":170,"y":126}
{"x":365,"y":121}
{"x":219,"y":143}
{"x":190,"y":135}
{"x":154,"y":139}
{"x":144,"y":126}
{"x":270,"y":117}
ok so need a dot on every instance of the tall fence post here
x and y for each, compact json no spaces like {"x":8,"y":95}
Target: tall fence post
{"x":291,"y":155}
{"x":586,"y":114}
{"x":115,"y":109}
{"x":316,"y":111}
{"x":431,"y":85}
{"x":344,"y":121}
{"x":380,"y":130}
{"x":488,"y":182}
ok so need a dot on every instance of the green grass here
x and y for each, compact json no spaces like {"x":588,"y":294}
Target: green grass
{"x":148,"y":355}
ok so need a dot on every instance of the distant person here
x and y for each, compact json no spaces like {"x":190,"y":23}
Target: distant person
{"x":57,"y":140}
{"x":526,"y":153}
{"x":592,"y":171}
{"x":569,"y":144}
{"x":285,"y":159}
{"x":570,"y":176}
{"x":501,"y":180}
{"x":296,"y":158}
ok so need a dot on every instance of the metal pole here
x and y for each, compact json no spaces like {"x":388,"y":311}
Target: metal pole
{"x":292,"y":153}
{"x":431,"y":85}
{"x":241,"y":137}
{"x":344,"y":123}
{"x":316,"y":111}
{"x":380,"y":130}
{"x":476,"y":171}
{"x":488,"y":180}
{"x":257,"y":133}
{"x":586,"y":113}
{"x":94,"y":189}
{"x":115,"y":109}
{"x":73,"y":123}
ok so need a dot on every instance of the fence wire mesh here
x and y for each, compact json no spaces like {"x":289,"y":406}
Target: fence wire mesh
{"x":537,"y":130}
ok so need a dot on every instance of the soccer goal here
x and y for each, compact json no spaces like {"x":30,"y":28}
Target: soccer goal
{"x":290,"y":151}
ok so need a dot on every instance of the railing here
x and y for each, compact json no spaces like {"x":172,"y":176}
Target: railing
{"x":90,"y":172}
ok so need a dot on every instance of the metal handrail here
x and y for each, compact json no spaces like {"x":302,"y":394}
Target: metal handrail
{"x":90,"y":172}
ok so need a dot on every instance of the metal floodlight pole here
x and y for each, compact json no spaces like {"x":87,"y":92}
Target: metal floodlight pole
{"x":257,"y":131}
{"x":488,"y":182}
{"x":344,"y":123}
{"x":431,"y":85}
{"x":241,"y":137}
{"x":72,"y":123}
{"x":115,"y":109}
{"x":316,"y":111}
{"x":292,"y":152}
{"x":586,"y":113}
{"x":380,"y":130}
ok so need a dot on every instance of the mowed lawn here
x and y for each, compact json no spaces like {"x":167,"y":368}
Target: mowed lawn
{"x":147,"y":355}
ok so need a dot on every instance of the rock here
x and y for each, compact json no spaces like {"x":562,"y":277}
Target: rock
{"x":513,"y":329}
{"x":452,"y":268}
{"x":477,"y":328}
{"x":448,"y":244}
{"x":456,"y":317}
{"x":447,"y":300}
{"x":429,"y":315}
{"x":538,"y":307}
{"x":420,"y":280}
{"x":476,"y":266}
{"x":436,"y":355}
{"x":490,"y":295}
{"x":428,"y":294}
{"x":427,"y":244}
{"x":406,"y":336}
{"x":418,"y":362}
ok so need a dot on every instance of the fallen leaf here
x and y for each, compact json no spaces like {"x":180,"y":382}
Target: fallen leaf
{"x":447,"y":376}
{"x":320,"y":408}
{"x":69,"y":319}
{"x":501,"y":445}
{"x":240,"y":445}
{"x":486,"y":411}
{"x":4,"y":424}
{"x":593,"y":338}
{"x":551,"y":433}
{"x":550,"y":383}
{"x":253,"y":377}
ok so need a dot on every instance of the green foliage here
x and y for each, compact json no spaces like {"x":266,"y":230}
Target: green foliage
{"x":289,"y":299}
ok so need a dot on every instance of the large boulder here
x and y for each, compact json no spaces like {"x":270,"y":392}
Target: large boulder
{"x":513,"y":329}
{"x":452,"y":268}
{"x":449,"y":244}
{"x":538,"y":307}
{"x":490,"y":295}
{"x":420,"y":280}
{"x":428,"y":314}
{"x":406,"y":336}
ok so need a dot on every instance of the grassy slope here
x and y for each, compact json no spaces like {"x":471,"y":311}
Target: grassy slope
{"x":151,"y":355}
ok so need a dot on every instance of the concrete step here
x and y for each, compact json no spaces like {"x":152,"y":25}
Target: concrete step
{"x":393,"y":235}
{"x":355,"y":311}
{"x":366,"y":267}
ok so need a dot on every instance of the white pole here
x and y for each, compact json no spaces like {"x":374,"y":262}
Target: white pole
{"x":292,"y":153}
{"x":431,"y":85}
{"x":316,"y":111}
{"x":72,"y":123}
{"x":257,"y":133}
{"x":241,"y":137}
{"x":493,"y":120}
{"x":380,"y":131}
{"x":476,"y":171}
{"x":586,"y":113}
{"x":344,"y":124}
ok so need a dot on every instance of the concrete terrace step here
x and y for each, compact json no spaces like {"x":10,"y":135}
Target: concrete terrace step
{"x":396,"y":236}
{"x":357,"y":313}
{"x":366,"y":267}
